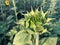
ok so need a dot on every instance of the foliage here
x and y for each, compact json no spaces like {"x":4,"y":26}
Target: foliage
{"x":39,"y":27}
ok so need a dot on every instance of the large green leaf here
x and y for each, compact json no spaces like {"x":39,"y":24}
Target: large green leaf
{"x":48,"y":41}
{"x":22,"y":38}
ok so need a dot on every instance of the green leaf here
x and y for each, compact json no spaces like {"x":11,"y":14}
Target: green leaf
{"x":56,"y":27}
{"x":9,"y":17}
{"x":48,"y":41}
{"x":22,"y":38}
{"x":11,"y":32}
{"x":10,"y":21}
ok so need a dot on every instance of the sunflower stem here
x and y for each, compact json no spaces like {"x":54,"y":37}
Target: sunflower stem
{"x":37,"y":39}
{"x":15,"y":9}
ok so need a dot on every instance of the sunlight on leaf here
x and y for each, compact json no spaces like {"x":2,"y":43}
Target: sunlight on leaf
{"x":22,"y":38}
{"x":51,"y":41}
{"x":48,"y":41}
